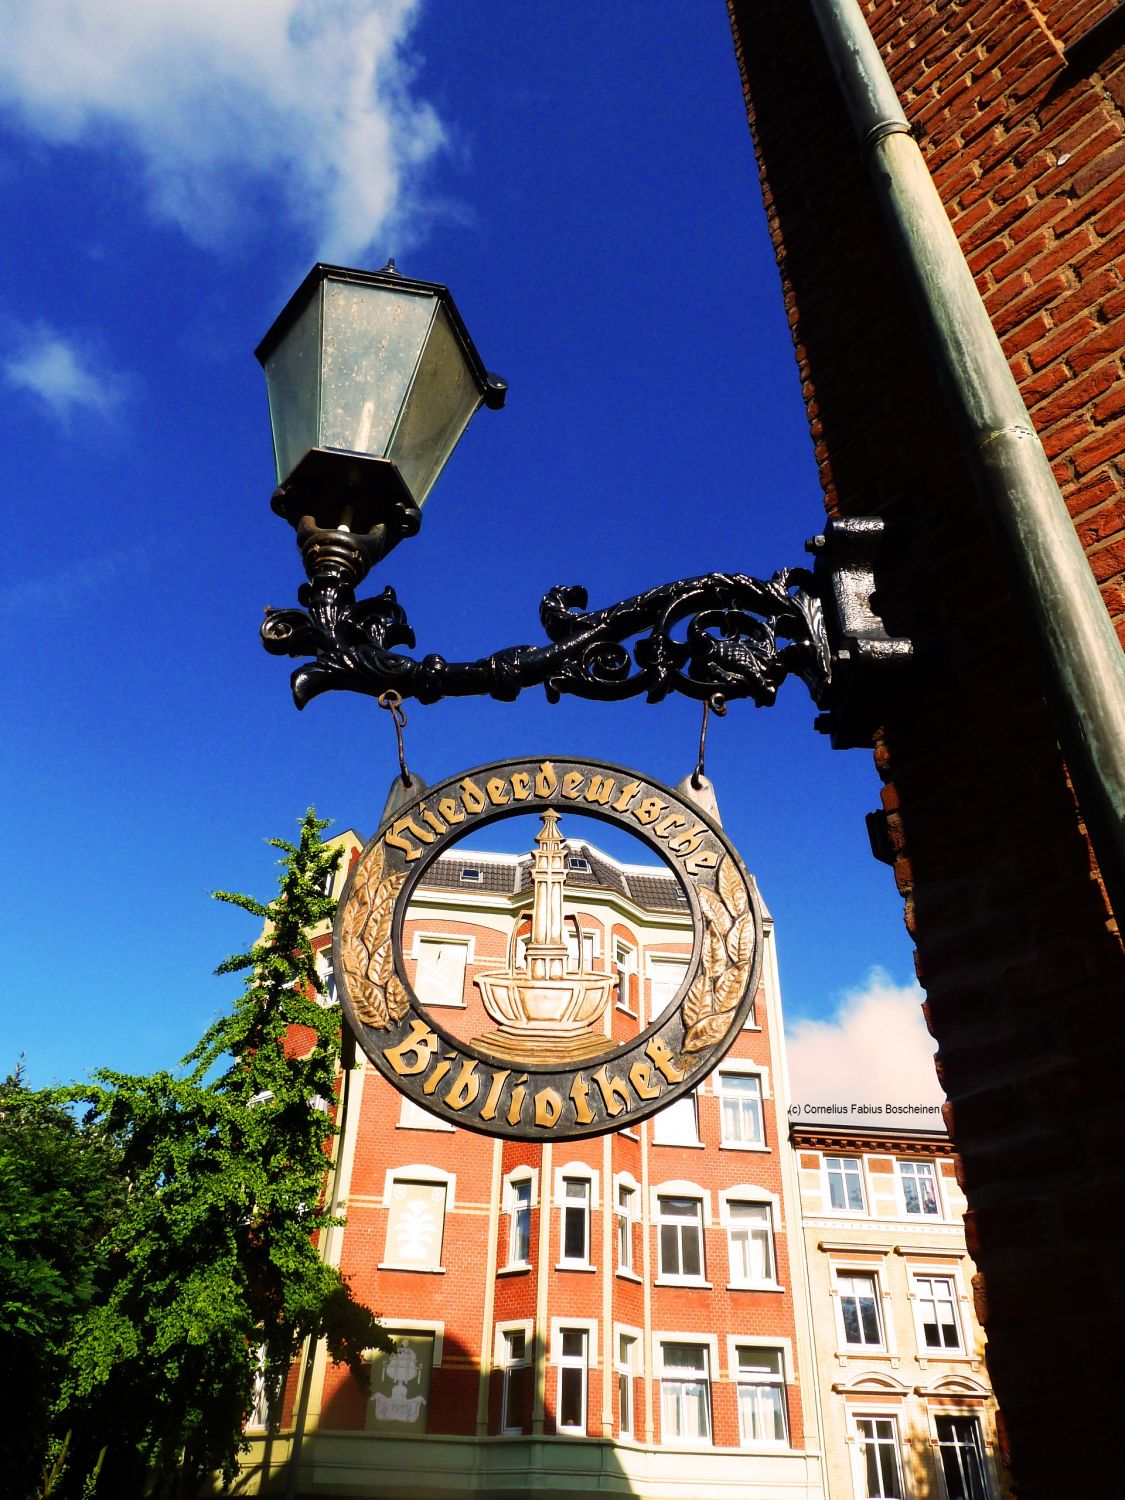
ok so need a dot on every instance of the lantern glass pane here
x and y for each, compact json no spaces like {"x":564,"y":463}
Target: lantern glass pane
{"x":292,"y":379}
{"x":372,"y":339}
{"x":445,"y":396}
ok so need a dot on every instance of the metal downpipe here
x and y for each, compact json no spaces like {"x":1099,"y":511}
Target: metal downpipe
{"x":1078,"y":653}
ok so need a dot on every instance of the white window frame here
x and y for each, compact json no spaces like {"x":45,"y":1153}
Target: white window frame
{"x":470,"y":875}
{"x":879,"y":1414}
{"x":623,"y":1222}
{"x":520,"y":1177}
{"x":922,"y":1216}
{"x":919,"y":1273}
{"x":415,"y":1116}
{"x":583,"y":949}
{"x":588,"y":1327}
{"x":872,"y":1272}
{"x":784,"y":1379}
{"x":502,"y":1362}
{"x":687,"y":1101}
{"x":680,"y":1189}
{"x":654,"y":964}
{"x":627,"y":1371}
{"x":258,"y":1419}
{"x":326,"y":973}
{"x":981,"y":1446}
{"x":709,"y":1343}
{"x":864,"y":1191}
{"x":752,"y":1197}
{"x":623,"y":969}
{"x":747,"y":1070}
{"x":575,"y":1172}
{"x":423,"y":939}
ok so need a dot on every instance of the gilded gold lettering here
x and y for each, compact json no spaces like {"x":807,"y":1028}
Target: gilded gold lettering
{"x":706,"y":860}
{"x":515,"y":1103}
{"x":669,"y":825}
{"x":572,"y":784}
{"x":437,"y":1075}
{"x":615,"y":1096}
{"x":661,"y":1054}
{"x":580,"y":1095}
{"x":432,"y":819}
{"x":640,"y":1076}
{"x":488,"y":1108}
{"x":688,"y":843}
{"x":548,"y":1108}
{"x":467,"y":1086}
{"x":649,"y":810}
{"x":495,"y":787}
{"x":521,"y":786}
{"x":472,"y":798}
{"x":627,"y":794}
{"x":450,"y":811}
{"x":600,"y":789}
{"x":396,"y":838}
{"x":421,"y":1041}
{"x":546,"y":782}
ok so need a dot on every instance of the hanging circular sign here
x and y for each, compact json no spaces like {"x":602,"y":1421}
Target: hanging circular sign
{"x":557,"y":1043}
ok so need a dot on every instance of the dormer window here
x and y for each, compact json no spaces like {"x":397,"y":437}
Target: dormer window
{"x":578,"y":862}
{"x":470,"y":875}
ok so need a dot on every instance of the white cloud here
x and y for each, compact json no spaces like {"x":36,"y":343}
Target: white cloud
{"x":60,"y":373}
{"x":875,"y":1051}
{"x":224,"y":101}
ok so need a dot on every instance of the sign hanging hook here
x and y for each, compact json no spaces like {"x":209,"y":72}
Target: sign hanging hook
{"x":717,"y":705}
{"x":392,"y":702}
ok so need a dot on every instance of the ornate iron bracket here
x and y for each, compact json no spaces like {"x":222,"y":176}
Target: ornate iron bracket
{"x":724,"y":634}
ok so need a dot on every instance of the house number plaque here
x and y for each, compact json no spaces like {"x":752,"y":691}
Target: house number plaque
{"x":545,"y":1065}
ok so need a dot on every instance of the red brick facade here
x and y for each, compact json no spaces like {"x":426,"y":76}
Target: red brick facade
{"x":1018,"y":110}
{"x":475,"y":1282}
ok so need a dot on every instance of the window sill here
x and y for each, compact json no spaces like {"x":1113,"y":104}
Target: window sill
{"x":625,"y":1275}
{"x":754,"y":1286}
{"x":742,"y":1146}
{"x":685,"y":1281}
{"x":441,"y":1128}
{"x":446,"y":1005}
{"x":681,"y":1145}
{"x":625,"y":1011}
{"x":519,"y":1268}
{"x":391,"y":1265}
{"x":576,"y":1265}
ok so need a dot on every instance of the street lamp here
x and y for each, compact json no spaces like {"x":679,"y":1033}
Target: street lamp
{"x":372,"y":379}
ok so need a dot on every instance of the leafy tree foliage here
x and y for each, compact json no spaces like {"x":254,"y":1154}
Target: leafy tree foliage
{"x":59,"y":1188}
{"x":209,"y":1275}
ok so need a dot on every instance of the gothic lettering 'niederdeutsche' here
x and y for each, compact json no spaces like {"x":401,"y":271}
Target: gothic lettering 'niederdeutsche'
{"x":558,"y":1063}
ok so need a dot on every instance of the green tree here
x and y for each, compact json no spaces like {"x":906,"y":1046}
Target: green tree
{"x":211,"y":1272}
{"x":60,"y":1188}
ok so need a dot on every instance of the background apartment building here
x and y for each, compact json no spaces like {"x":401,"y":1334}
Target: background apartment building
{"x":620,"y":1313}
{"x":907,"y":1408}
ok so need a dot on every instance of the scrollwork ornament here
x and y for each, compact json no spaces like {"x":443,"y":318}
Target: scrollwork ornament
{"x":741,"y":636}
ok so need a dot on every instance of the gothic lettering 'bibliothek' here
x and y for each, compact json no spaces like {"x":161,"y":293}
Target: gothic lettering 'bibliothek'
{"x":557,"y":1063}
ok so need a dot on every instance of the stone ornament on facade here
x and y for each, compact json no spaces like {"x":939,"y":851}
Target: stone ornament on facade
{"x":548,"y":1070}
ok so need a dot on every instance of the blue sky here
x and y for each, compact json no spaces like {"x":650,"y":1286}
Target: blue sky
{"x":582,"y":177}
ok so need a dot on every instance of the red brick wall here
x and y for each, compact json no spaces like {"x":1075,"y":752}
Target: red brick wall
{"x":1023,"y":972}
